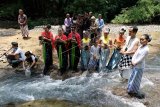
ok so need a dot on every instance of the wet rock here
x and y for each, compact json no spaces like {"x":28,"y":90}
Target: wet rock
{"x":146,"y":103}
{"x":10,"y":105}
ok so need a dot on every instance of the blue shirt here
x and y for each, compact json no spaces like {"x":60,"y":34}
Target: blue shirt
{"x":100,"y":23}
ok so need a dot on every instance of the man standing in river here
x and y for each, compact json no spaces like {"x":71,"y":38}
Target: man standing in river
{"x":22,"y":21}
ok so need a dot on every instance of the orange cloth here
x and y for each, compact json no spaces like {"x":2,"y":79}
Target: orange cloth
{"x":119,"y":42}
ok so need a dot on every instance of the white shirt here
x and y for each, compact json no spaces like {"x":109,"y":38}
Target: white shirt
{"x":33,"y":57}
{"x":130,"y":43}
{"x":21,"y":53}
{"x":139,"y":56}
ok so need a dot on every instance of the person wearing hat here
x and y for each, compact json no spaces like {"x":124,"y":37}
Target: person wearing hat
{"x":74,"y":46}
{"x":104,"y":39}
{"x":116,"y":56}
{"x":130,"y":47}
{"x":16,"y":57}
{"x":93,"y":29}
{"x":120,"y":40}
{"x":85,"y":52}
{"x":67,"y":24}
{"x":105,"y":43}
{"x":47,"y":42}
{"x":22,"y":21}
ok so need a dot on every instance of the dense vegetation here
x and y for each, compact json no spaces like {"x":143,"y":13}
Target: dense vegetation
{"x":53,"y":11}
{"x":145,"y":11}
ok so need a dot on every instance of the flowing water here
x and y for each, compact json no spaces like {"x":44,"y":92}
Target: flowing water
{"x":93,"y":90}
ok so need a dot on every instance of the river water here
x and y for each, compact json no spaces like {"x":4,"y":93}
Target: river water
{"x":93,"y":90}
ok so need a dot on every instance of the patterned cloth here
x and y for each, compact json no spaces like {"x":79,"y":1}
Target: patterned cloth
{"x":24,"y":30}
{"x":125,"y":62}
{"x":93,"y":64}
{"x":85,"y":55}
{"x":114,"y":60}
{"x":104,"y":54}
{"x":94,"y":58}
{"x":135,"y":80}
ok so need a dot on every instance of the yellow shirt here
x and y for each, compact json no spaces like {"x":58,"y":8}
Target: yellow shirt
{"x":86,"y":41}
{"x":104,"y":40}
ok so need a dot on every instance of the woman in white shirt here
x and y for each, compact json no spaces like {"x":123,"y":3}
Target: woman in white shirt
{"x":138,"y":62}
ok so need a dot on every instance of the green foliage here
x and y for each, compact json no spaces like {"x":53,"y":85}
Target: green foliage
{"x":47,"y":11}
{"x":143,"y":12}
{"x":43,"y":21}
{"x":9,"y":11}
{"x":58,"y":8}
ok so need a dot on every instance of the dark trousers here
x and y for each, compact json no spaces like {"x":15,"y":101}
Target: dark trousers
{"x":76,"y":57}
{"x":49,"y":59}
{"x":64,"y":62}
{"x":13,"y":61}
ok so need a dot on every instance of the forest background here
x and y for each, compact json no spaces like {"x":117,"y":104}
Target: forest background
{"x":41,"y":12}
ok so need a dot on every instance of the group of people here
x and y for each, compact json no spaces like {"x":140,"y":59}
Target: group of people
{"x":18,"y":57}
{"x":85,"y":40}
{"x":84,"y":22}
{"x":94,"y":54}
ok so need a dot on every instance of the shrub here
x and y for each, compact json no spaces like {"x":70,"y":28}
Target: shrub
{"x":143,"y":12}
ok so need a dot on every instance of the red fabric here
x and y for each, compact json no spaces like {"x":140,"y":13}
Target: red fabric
{"x":49,"y":35}
{"x":78,"y":38}
{"x":63,"y":37}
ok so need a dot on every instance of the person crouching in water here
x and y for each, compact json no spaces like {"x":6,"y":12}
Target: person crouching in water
{"x":138,"y":63}
{"x":94,"y":57}
{"x":31,"y":59}
{"x":16,"y":57}
{"x":105,"y":44}
{"x":46,"y":39}
{"x":85,"y":52}
{"x":60,"y":44}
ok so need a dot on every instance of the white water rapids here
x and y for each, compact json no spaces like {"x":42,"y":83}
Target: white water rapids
{"x":88,"y":90}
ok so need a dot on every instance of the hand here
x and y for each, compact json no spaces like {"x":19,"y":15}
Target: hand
{"x":24,"y":68}
{"x":74,"y":41}
{"x":122,"y":52}
{"x":94,"y":57}
{"x":68,"y":40}
{"x":5,"y":54}
{"x":133,"y":64}
{"x":58,"y":39}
